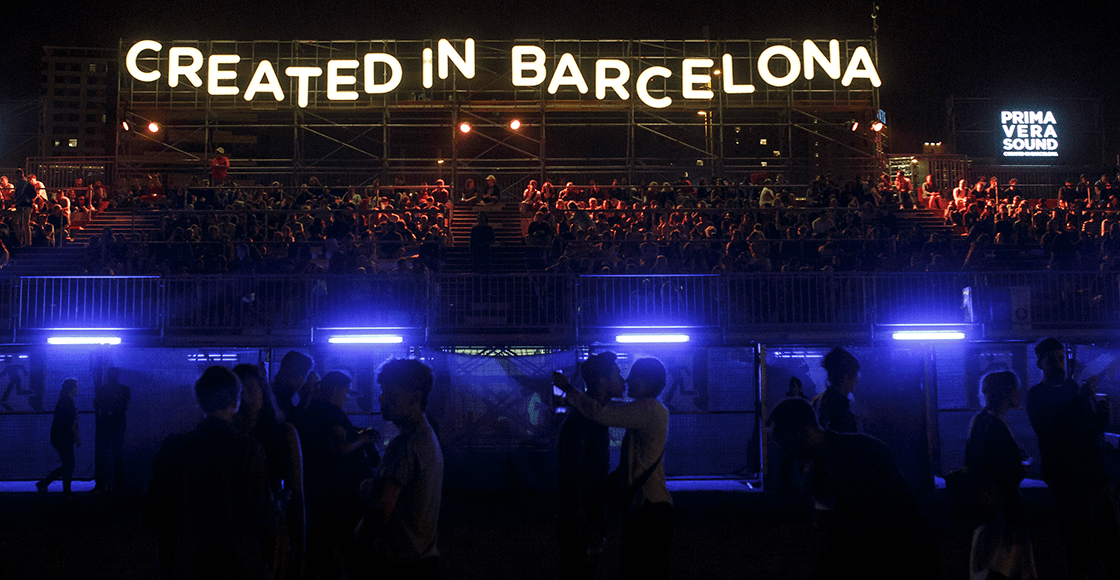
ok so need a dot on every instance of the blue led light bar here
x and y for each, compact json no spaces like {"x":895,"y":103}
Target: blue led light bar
{"x":651,"y":338}
{"x":366,"y":339}
{"x":68,"y":340}
{"x":928,"y":335}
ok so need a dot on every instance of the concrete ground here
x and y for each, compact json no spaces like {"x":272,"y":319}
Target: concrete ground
{"x":723,"y":529}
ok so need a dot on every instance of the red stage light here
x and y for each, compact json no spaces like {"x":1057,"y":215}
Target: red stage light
{"x":153,"y":127}
{"x":515,"y":124}
{"x":465,"y":127}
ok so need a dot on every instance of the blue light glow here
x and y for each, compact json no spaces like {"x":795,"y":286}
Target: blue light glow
{"x":366,"y":339}
{"x":928,"y":335}
{"x":67,"y":340}
{"x":651,"y":338}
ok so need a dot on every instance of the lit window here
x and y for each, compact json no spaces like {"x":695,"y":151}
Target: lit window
{"x":73,"y":142}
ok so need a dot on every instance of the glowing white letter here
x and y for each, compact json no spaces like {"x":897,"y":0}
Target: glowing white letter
{"x":764,"y":65}
{"x":394,"y":79}
{"x":303,"y":73}
{"x":729,"y":85}
{"x":573,"y":77}
{"x":264,"y":72}
{"x":134,"y":53}
{"x":861,"y":57}
{"x":447,"y":52}
{"x":175,"y":68}
{"x":831,"y":65}
{"x":616,"y":83}
{"x":335,"y":80}
{"x":521,"y":66}
{"x":643,"y":89}
{"x":215,"y":75}
{"x":690,"y":79}
{"x":427,"y":68}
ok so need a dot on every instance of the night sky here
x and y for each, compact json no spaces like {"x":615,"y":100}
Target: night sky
{"x":928,"y":50}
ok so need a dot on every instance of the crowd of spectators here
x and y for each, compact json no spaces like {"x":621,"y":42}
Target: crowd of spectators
{"x":830,"y":224}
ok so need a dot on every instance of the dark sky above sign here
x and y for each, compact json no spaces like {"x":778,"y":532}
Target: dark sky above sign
{"x":928,"y":50}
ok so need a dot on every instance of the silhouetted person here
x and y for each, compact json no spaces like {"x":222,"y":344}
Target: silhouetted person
{"x":870,"y":522}
{"x":647,"y":524}
{"x":584,"y":450}
{"x":335,"y":455}
{"x":833,"y":407}
{"x":208,"y":498}
{"x":110,"y":406}
{"x":795,"y":389}
{"x":1000,"y":545}
{"x":257,"y":417}
{"x":292,"y":378}
{"x":482,"y":237}
{"x":1069,"y":422}
{"x":401,"y":522}
{"x":64,"y":436}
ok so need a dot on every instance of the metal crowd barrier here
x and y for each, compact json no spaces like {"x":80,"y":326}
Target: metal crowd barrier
{"x":89,"y":302}
{"x":546,"y":302}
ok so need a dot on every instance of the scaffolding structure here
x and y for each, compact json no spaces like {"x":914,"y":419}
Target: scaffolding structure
{"x":412,"y":133}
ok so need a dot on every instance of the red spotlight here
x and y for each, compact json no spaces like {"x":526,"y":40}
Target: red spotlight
{"x":515,"y":124}
{"x":465,"y":127}
{"x":855,"y":125}
{"x":124,"y":124}
{"x":877,"y":126}
{"x":153,"y":127}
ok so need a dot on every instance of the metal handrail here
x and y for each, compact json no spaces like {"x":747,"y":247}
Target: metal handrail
{"x":450,"y":303}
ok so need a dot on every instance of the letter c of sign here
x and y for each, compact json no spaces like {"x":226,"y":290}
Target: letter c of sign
{"x":134,"y":53}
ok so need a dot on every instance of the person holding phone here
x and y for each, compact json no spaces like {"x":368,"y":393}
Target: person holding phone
{"x":647,"y":523}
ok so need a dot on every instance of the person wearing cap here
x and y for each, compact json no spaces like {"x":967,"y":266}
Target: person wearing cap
{"x":219,"y":167}
{"x":1069,"y":420}
{"x":491,"y":193}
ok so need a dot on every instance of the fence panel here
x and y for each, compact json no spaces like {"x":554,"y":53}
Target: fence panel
{"x":238,"y":302}
{"x":501,"y":301}
{"x":654,"y":300}
{"x":1050,"y":298}
{"x":89,"y":302}
{"x":346,"y":301}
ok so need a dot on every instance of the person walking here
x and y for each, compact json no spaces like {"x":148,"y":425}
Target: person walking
{"x":64,"y":436}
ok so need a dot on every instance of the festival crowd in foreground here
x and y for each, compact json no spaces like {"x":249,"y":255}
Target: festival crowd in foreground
{"x":276,"y":482}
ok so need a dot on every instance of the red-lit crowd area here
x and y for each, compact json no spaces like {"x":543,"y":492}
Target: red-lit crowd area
{"x":830,"y":224}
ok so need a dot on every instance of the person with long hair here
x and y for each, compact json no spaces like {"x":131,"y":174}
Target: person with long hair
{"x":257,"y":417}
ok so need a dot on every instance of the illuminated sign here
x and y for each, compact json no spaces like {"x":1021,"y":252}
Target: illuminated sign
{"x":346,"y":79}
{"x":1029,"y":133}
